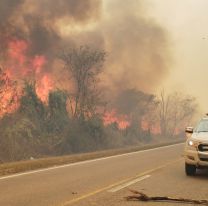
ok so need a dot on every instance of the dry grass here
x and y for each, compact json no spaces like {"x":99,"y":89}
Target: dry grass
{"x":22,"y":166}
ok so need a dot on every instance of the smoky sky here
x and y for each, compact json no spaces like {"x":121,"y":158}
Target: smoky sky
{"x":35,"y":21}
{"x":137,"y":47}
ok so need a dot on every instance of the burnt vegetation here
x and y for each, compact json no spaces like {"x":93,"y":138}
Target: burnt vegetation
{"x":83,"y":98}
{"x":72,"y":121}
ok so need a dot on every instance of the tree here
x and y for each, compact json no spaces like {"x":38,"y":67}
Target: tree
{"x":84,"y":64}
{"x":30,"y":104}
{"x":135,"y":104}
{"x":8,"y":94}
{"x":175,"y":111}
{"x":58,"y":115}
{"x":163,"y":112}
{"x":17,"y":138}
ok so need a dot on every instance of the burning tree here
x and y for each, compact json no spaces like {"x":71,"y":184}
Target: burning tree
{"x":135,"y":104}
{"x":131,"y":109}
{"x":84,"y":64}
{"x":8,"y":94}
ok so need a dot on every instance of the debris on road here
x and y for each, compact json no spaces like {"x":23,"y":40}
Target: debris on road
{"x":145,"y":198}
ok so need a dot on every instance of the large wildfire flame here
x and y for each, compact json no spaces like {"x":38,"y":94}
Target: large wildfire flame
{"x":21,"y":65}
{"x":18,"y":65}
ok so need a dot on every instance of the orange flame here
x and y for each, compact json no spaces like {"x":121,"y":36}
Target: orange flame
{"x":9,"y":94}
{"x":38,"y":63}
{"x":154,"y":128}
{"x":44,"y":86}
{"x":112,"y":117}
{"x":17,"y":49}
{"x":20,"y":65}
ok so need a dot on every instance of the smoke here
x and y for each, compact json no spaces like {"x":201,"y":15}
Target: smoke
{"x":31,"y":37}
{"x":137,"y":47}
{"x":37,"y":21}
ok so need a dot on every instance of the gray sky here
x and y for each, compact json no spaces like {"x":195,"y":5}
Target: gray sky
{"x":186,"y":22}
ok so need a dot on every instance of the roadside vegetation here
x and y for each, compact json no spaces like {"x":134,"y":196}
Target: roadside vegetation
{"x":74,"y":120}
{"x":41,"y":163}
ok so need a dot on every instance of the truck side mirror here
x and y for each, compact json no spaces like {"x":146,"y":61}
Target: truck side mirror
{"x":189,"y":130}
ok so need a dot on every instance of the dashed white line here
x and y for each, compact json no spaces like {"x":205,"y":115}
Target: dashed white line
{"x":115,"y":189}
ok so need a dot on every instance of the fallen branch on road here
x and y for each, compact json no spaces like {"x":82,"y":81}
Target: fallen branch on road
{"x":145,"y":198}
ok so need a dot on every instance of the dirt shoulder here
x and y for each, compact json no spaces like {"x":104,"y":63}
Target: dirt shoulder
{"x":23,"y":166}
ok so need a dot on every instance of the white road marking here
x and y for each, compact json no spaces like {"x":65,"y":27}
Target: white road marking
{"x":115,"y":189}
{"x":85,"y":162}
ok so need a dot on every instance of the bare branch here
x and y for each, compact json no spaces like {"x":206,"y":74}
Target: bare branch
{"x":145,"y":198}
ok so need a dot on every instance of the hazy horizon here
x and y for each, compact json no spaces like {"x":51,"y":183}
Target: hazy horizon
{"x":186,"y":23}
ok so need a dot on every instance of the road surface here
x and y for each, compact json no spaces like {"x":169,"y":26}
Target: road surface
{"x":105,"y":181}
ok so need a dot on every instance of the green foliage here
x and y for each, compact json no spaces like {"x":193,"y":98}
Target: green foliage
{"x":17,"y":138}
{"x":57,"y":113}
{"x":57,"y":103}
{"x":84,"y":135}
{"x":37,"y":129}
{"x":30,"y":104}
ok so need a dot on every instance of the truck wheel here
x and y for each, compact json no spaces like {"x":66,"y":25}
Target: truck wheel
{"x":190,"y":169}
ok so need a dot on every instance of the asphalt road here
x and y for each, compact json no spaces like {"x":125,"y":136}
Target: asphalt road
{"x":106,"y":181}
